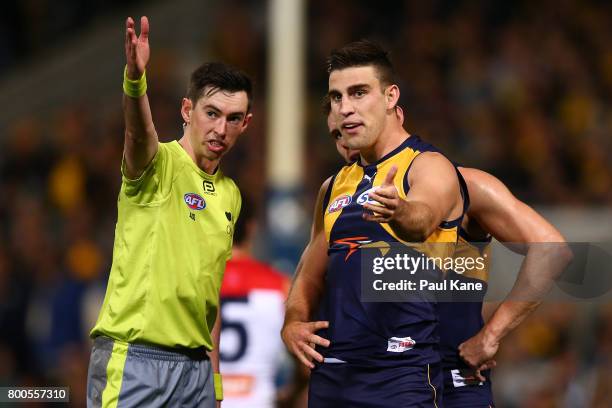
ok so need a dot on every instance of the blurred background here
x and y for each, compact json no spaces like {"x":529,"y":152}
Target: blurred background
{"x":520,"y":89}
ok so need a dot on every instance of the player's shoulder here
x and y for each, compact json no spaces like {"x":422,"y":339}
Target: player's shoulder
{"x":487,"y":192}
{"x":432,"y":166}
{"x":416,"y":143}
{"x":479,"y":181}
{"x":425,"y":150}
{"x":480,"y":177}
{"x":432,"y":158}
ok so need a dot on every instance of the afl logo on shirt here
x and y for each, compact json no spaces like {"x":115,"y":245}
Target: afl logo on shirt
{"x":340,"y":203}
{"x":194,"y":201}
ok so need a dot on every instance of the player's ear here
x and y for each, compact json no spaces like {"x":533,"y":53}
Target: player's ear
{"x":246,"y":121}
{"x":392,"y":94}
{"x":400,"y":113}
{"x":186,"y":108}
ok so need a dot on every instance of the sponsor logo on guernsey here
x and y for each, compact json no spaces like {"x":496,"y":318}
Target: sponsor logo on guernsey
{"x":365,"y":198}
{"x":339,"y":203}
{"x":194,"y":201}
{"x":209,"y":187}
{"x":464,"y":377}
{"x":400,"y":344}
{"x":352,"y":244}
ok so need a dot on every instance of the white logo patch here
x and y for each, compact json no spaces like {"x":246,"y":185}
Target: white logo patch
{"x":365,"y":198}
{"x":462,"y":378}
{"x":400,"y":344}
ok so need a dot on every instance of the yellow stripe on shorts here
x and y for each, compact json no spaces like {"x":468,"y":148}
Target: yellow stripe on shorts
{"x":114,"y":375}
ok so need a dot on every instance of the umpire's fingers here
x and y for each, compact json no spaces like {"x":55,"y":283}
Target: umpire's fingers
{"x":129,"y":31}
{"x":144,"y":28}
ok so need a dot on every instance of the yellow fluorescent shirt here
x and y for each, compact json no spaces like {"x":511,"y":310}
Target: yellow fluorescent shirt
{"x":173,"y":236}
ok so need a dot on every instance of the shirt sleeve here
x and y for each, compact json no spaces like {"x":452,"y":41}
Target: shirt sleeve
{"x":149,"y":187}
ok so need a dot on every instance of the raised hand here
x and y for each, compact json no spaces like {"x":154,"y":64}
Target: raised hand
{"x":136,"y":47}
{"x":387,"y":196}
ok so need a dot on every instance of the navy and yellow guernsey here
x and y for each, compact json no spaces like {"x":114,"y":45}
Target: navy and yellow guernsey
{"x":369,"y":333}
{"x":461,"y":317}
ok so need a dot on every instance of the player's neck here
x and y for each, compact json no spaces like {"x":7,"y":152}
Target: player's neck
{"x":391,"y":136}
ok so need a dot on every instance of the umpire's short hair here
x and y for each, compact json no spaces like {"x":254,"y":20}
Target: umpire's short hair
{"x":212,"y":77}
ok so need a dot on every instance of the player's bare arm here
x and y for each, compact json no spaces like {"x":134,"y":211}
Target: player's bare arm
{"x":433,"y":197}
{"x":509,"y":220}
{"x":141,"y":140}
{"x":298,"y":331}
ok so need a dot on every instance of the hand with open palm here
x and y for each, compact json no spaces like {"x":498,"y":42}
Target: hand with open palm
{"x":136,"y":47}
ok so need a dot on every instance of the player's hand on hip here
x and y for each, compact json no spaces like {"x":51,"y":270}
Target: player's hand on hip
{"x":136,"y":47}
{"x":389,"y":205}
{"x":483,"y":367}
{"x":478,"y":352}
{"x":300,"y":339}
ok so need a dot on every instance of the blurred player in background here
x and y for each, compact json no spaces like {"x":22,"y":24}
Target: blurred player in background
{"x":466,"y":343}
{"x":390,"y":346}
{"x":173,"y":237}
{"x":349,"y":155}
{"x":252,"y":309}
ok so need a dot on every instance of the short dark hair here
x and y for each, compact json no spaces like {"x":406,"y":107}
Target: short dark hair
{"x":360,"y":54}
{"x":217,"y":76}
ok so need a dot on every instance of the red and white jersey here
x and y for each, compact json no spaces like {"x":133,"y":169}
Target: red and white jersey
{"x":251,"y":350}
